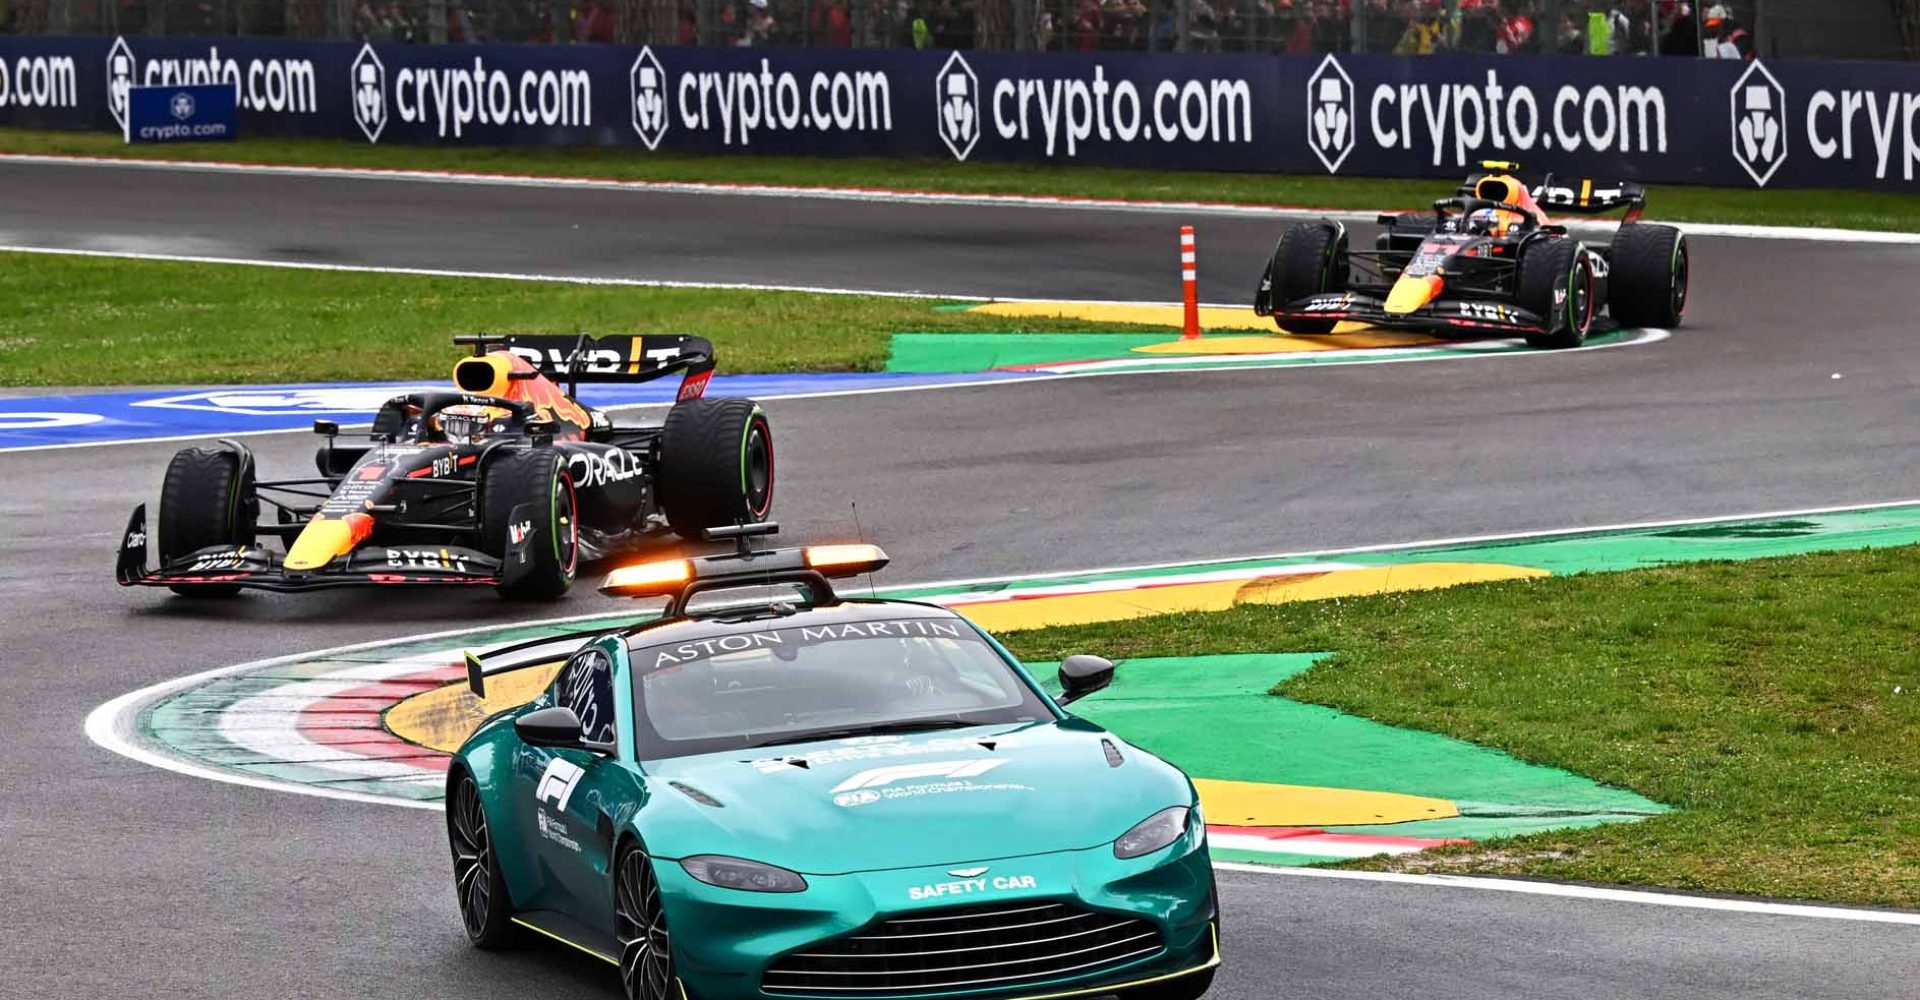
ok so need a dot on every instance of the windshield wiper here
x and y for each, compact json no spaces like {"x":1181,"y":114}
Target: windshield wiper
{"x":870,"y":729}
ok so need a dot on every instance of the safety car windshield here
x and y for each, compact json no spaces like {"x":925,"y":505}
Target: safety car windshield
{"x":797,"y":683}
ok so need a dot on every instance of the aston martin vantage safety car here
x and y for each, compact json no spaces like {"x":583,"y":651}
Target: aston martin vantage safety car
{"x":1487,"y":260}
{"x":505,"y":480}
{"x":775,"y":792}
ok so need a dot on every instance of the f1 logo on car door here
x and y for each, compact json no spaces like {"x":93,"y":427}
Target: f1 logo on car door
{"x":557,"y":783}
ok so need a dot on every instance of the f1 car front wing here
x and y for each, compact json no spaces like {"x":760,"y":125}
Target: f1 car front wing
{"x":256,"y":567}
{"x":1446,"y":314}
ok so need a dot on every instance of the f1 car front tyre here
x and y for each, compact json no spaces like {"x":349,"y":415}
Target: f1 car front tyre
{"x":716,"y":465}
{"x":478,"y":884}
{"x":1648,"y":286}
{"x":206,"y":499}
{"x":1544,"y":265}
{"x":538,"y":477}
{"x":640,"y":928}
{"x":1311,"y":259}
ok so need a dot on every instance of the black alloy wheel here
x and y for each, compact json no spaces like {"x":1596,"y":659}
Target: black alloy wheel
{"x":477,"y":882}
{"x":640,"y":925}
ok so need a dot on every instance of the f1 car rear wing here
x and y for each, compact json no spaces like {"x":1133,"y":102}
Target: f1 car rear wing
{"x":578,"y":358}
{"x":1586,"y":197}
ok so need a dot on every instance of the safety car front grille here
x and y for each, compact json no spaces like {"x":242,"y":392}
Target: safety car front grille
{"x":988,"y":947}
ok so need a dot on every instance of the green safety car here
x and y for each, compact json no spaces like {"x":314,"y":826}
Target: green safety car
{"x":776,"y":792}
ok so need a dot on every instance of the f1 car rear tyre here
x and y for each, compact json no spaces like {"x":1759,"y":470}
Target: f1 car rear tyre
{"x":1648,"y":286}
{"x":1188,"y":987}
{"x":1543,"y":265}
{"x":716,"y":465}
{"x":1311,"y":259}
{"x":478,"y":885}
{"x":536,"y":476}
{"x":206,"y":499}
{"x":640,"y":928}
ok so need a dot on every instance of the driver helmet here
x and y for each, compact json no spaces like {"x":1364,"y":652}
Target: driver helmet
{"x":470,"y":423}
{"x":1484,"y":222}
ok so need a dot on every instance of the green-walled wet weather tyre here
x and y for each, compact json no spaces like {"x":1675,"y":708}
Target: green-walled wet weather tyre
{"x":716,"y":465}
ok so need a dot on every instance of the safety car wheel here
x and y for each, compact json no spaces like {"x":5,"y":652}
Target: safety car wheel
{"x":1648,"y":286}
{"x":478,"y":884}
{"x":716,"y":465}
{"x":206,"y":499}
{"x":640,"y":928}
{"x":1188,"y":987}
{"x":1311,"y":259}
{"x":536,"y":476}
{"x":1542,"y":267}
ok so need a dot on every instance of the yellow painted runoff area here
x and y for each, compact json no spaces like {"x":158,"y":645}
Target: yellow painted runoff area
{"x":443,"y":718}
{"x":1016,"y":613}
{"x":1257,"y":803}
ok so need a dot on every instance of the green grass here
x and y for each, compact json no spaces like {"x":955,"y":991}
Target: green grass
{"x":98,"y":321}
{"x":1822,"y":207}
{"x":1774,"y":703}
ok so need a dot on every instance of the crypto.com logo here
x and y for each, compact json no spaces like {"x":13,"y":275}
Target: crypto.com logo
{"x":182,"y":106}
{"x":369,"y":77}
{"x":956,"y":92}
{"x":1759,"y":110}
{"x":120,"y":67}
{"x":648,"y":91}
{"x":1330,"y":121}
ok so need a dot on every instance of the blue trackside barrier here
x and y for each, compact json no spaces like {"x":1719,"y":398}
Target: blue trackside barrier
{"x":1813,"y":124}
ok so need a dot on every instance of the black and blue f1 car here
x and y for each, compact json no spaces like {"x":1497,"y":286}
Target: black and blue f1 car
{"x":1486,"y":260}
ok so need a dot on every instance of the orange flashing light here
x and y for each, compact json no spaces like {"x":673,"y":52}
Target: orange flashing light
{"x":651,"y":579}
{"x":845,"y":560}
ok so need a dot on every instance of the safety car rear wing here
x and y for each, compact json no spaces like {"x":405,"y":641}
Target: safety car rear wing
{"x":582,"y":357}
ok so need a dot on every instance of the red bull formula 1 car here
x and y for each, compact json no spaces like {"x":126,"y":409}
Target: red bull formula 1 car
{"x":1485,"y":261}
{"x":505,"y":481}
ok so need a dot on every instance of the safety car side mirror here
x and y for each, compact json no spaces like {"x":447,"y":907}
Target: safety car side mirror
{"x":1082,"y":675}
{"x":556,"y":727}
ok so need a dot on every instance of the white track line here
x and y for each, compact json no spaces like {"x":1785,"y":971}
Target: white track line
{"x":436,"y":272}
{"x":111,"y":725}
{"x":888,"y":195}
{"x":1428,"y":543}
{"x":1588,"y":892}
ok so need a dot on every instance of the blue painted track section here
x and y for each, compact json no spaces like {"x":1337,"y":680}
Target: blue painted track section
{"x":148,"y":414}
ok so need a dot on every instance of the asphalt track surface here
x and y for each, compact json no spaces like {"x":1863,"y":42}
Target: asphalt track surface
{"x":125,"y":880}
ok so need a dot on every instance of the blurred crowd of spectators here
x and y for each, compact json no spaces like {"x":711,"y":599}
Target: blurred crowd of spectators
{"x":1408,"y":27}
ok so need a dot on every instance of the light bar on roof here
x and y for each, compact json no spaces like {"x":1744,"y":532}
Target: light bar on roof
{"x":845,"y":560}
{"x":649,"y":579}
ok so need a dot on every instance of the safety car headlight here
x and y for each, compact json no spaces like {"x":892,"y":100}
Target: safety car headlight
{"x":1153,"y":833}
{"x":739,"y":873}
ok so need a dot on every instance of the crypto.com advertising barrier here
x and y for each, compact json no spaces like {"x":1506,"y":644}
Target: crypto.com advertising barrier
{"x":1660,"y":120}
